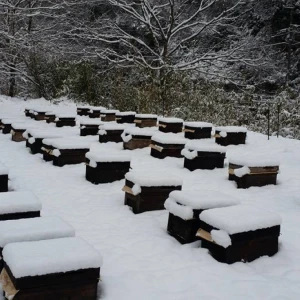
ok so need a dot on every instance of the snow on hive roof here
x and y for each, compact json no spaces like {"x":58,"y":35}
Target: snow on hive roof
{"x":44,"y":133}
{"x":199,"y":146}
{"x":16,"y":202}
{"x":112,"y":126}
{"x":68,"y":143}
{"x":42,"y":110}
{"x":91,"y":122}
{"x":169,"y":138}
{"x":97,"y":108}
{"x":67,"y":116}
{"x":3,"y":169}
{"x":240,"y":218}
{"x":231,"y":129}
{"x":141,"y":131}
{"x":9,"y":121}
{"x":144,"y":178}
{"x":109,"y":111}
{"x":125,"y":113}
{"x":37,"y":258}
{"x":21,"y":125}
{"x":83,"y":107}
{"x":107,"y":157}
{"x":170,"y":120}
{"x":145,"y":116}
{"x":250,"y":160}
{"x":34,"y":229}
{"x":198,"y":124}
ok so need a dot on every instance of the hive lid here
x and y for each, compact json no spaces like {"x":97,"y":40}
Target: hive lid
{"x":37,"y":258}
{"x":239,"y":218}
{"x":112,"y":126}
{"x":91,"y":122}
{"x":125,"y":113}
{"x":67,"y":116}
{"x":107,"y":157}
{"x":21,"y":125}
{"x":69,"y":143}
{"x":170,"y":120}
{"x":44,"y":133}
{"x":17,"y":202}
{"x":34,"y":229}
{"x":231,"y":129}
{"x":169,"y":138}
{"x":251,"y":160}
{"x":200,"y":146}
{"x":141,"y":131}
{"x":109,"y":111}
{"x":146,"y":116}
{"x":198,"y":124}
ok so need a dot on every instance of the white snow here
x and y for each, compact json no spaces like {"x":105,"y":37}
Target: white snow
{"x":182,"y":211}
{"x":83,"y":106}
{"x":108,"y":157}
{"x":189,"y":154}
{"x":97,"y":108}
{"x":34,"y":229}
{"x":148,"y":132}
{"x":126,"y":138}
{"x":65,"y":116}
{"x":201,"y":147}
{"x":240,"y":172}
{"x":8,"y":121}
{"x":168,"y":138}
{"x":16,"y":202}
{"x":145,"y":116}
{"x":112,"y":126}
{"x":231,"y":129}
{"x":240,"y":218}
{"x":198,"y":124}
{"x":136,"y":189}
{"x":43,"y":133}
{"x":69,"y":143}
{"x":91,"y":122}
{"x":109,"y":111}
{"x":102,"y":132}
{"x":147,"y":178}
{"x":125,"y":113}
{"x":38,"y":257}
{"x":254,"y":160}
{"x":3,"y":169}
{"x":21,"y":126}
{"x":221,"y":238}
{"x":170,"y":120}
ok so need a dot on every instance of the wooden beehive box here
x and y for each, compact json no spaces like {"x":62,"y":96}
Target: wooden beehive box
{"x":6,"y":125}
{"x":50,"y":117}
{"x":33,"y":229}
{"x":111,"y":132}
{"x":136,"y":138}
{"x":3,"y":178}
{"x":89,"y":127}
{"x":250,"y":171}
{"x":17,"y":130}
{"x":125,"y":117}
{"x":184,"y":208}
{"x":239,"y":233}
{"x":197,"y":130}
{"x":65,"y":120}
{"x":40,"y":114}
{"x":54,"y":276}
{"x":19,"y":205}
{"x":27,"y":111}
{"x":104,"y":168}
{"x":108,"y":115}
{"x":83,"y":110}
{"x":95,"y":112}
{"x":167,"y":145}
{"x":199,"y":156}
{"x":47,"y":150}
{"x":146,"y":192}
{"x":170,"y":125}
{"x":230,"y":135}
{"x":68,"y":151}
{"x":145,"y":120}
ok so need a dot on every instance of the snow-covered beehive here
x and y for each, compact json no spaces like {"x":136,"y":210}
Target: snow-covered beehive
{"x":111,"y":132}
{"x":50,"y":117}
{"x":167,"y":144}
{"x":125,"y":117}
{"x":40,"y":113}
{"x":33,"y":229}
{"x":6,"y":125}
{"x":106,"y":167}
{"x":95,"y":112}
{"x":146,"y":191}
{"x":135,"y":138}
{"x":184,"y":208}
{"x":3,"y":178}
{"x":145,"y":120}
{"x":89,"y":127}
{"x":32,"y":270}
{"x":83,"y":110}
{"x":65,"y":120}
{"x":17,"y":130}
{"x":108,"y":115}
{"x":199,"y":156}
{"x":239,"y":233}
{"x":197,"y":130}
{"x":249,"y":170}
{"x":66,"y":151}
{"x":19,"y":205}
{"x":170,"y":125}
{"x":230,"y":135}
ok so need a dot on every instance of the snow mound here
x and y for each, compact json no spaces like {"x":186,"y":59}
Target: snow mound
{"x":198,"y":124}
{"x":231,"y":129}
{"x":170,"y":120}
{"x":200,"y":146}
{"x":169,"y":138}
{"x":250,"y":160}
{"x":145,"y":116}
{"x":3,"y":169}
{"x":107,"y":157}
{"x":125,"y":113}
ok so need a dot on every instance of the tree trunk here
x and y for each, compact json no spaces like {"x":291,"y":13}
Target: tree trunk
{"x":12,"y":82}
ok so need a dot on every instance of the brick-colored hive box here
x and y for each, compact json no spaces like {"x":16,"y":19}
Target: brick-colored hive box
{"x":184,"y":208}
{"x":108,"y":115}
{"x":17,"y":130}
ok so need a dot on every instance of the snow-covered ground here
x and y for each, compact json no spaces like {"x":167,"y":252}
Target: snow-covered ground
{"x":141,"y":261}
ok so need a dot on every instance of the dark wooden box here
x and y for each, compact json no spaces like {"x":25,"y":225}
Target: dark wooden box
{"x":137,"y":142}
{"x":83,"y":111}
{"x":95,"y":114}
{"x":111,"y":136}
{"x":3,"y":183}
{"x":6,"y":128}
{"x":27,"y":112}
{"x":73,"y":285}
{"x":20,"y":215}
{"x":47,"y":152}
{"x":246,"y":246}
{"x":89,"y":129}
{"x":106,"y":171}
{"x":205,"y":160}
{"x":70,"y":157}
{"x":170,"y":127}
{"x":66,"y":122}
{"x":40,"y":116}
{"x":145,"y":122}
{"x":17,"y":135}
{"x":259,"y":176}
{"x":159,"y":150}
{"x":150,"y":198}
{"x":50,"y":118}
{"x":232,"y":138}
{"x":184,"y":230}
{"x":109,"y":117}
{"x":194,"y":133}
{"x":35,"y":147}
{"x":125,"y":119}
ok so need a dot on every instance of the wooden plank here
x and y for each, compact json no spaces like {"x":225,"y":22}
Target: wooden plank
{"x":158,"y":148}
{"x":162,"y":125}
{"x":127,"y":189}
